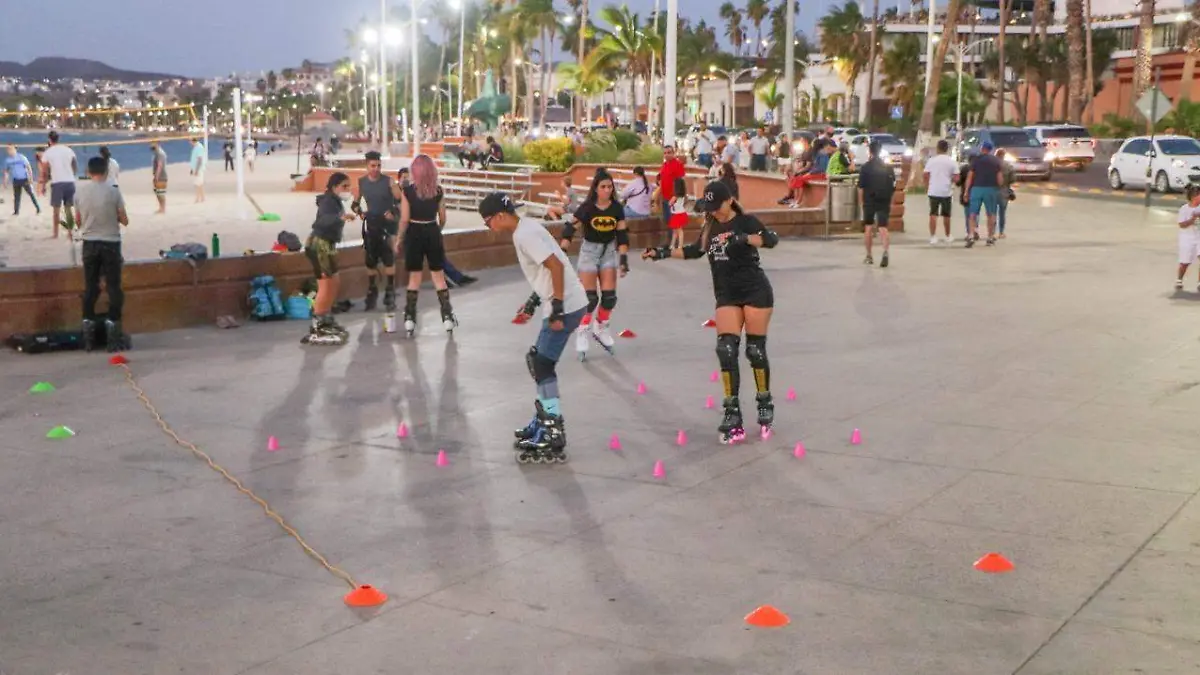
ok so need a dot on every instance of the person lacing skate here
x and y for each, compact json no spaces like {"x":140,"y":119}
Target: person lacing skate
{"x":731,"y":239}
{"x":321,"y":250}
{"x":422,"y":215}
{"x":604,"y":249}
{"x":549,"y":272}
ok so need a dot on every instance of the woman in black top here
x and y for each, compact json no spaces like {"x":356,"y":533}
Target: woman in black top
{"x":731,"y":239}
{"x":321,"y":249}
{"x":422,"y":215}
{"x":604,"y":249}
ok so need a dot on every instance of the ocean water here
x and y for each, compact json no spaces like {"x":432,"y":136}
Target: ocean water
{"x":132,"y":156}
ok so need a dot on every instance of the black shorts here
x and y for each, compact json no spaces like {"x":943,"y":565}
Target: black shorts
{"x":761,"y":296}
{"x":876,"y":212}
{"x":377,"y":249}
{"x":940,"y":206}
{"x":423,"y":243}
{"x":322,"y":253}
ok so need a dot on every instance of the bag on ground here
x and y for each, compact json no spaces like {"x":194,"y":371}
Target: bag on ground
{"x":266,"y":302}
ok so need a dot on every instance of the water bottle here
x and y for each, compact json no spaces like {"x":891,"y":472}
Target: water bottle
{"x":216,"y":245}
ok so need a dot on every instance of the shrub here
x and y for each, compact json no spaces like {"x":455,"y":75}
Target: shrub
{"x":1120,"y":127}
{"x":601,"y":148}
{"x":514,"y":153}
{"x":647,"y":155}
{"x":551,"y":154}
{"x":626,"y":139}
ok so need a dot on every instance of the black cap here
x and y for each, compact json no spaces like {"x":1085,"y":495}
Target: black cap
{"x":716,"y":193}
{"x":497,"y":202}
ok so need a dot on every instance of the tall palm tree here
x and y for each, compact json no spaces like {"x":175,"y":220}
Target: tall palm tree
{"x":1034,"y":79}
{"x":631,"y":46}
{"x":846,"y":40}
{"x":585,"y":81}
{"x":1001,"y":40}
{"x":542,"y":21}
{"x":1145,"y":56}
{"x":447,"y":20}
{"x":1021,"y":56}
{"x":1075,"y":56}
{"x":757,"y":11}
{"x":901,"y":70}
{"x":873,"y":39}
{"x":733,"y":26}
{"x":929,"y":107}
{"x":1189,"y":36}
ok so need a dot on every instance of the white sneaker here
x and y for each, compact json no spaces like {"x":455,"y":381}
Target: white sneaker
{"x":933,"y":241}
{"x":600,"y":330}
{"x":949,"y":240}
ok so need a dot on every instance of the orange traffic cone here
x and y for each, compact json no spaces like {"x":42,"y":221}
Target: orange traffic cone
{"x":767,"y":617}
{"x":627,"y":334}
{"x":118,"y":360}
{"x":994,"y":563}
{"x":709,"y":324}
{"x":365,"y":596}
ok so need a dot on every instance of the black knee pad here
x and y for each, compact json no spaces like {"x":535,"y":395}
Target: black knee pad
{"x":727,"y":350}
{"x":608,"y":299}
{"x":756,"y":350}
{"x":540,"y":367}
{"x":593,"y":300}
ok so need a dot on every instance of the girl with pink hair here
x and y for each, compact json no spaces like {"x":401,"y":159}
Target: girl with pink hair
{"x":422,"y":217}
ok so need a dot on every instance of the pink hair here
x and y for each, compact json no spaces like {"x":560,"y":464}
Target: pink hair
{"x":424,"y":177}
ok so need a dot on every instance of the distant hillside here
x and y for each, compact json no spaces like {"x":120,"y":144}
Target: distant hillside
{"x":58,"y":68}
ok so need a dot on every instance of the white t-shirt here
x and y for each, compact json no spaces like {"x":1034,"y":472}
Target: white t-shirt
{"x":113,"y":176}
{"x":730,"y":154}
{"x":942,"y":170}
{"x":534,"y":245}
{"x":759,"y":145}
{"x":704,"y":142}
{"x":637,"y":196}
{"x":1186,"y":213}
{"x":59,"y":157}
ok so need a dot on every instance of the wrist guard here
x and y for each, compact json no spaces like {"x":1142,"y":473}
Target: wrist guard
{"x":624,"y":262}
{"x":662,"y":252}
{"x":531,"y":304}
{"x":556,"y":310}
{"x":568,"y":230}
{"x":623,"y":238}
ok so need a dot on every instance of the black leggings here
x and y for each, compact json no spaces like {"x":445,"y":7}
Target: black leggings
{"x":102,"y":260}
{"x":20,"y":185}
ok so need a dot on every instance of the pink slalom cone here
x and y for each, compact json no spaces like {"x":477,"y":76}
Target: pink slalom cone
{"x":798,"y":453}
{"x":659,"y":471}
{"x":709,"y":402}
{"x":716,"y":375}
{"x":791,"y":394}
{"x":641,"y":388}
{"x":681,"y":438}
{"x":272,"y":444}
{"x":402,"y":431}
{"x":614,"y":443}
{"x":442,"y":460}
{"x":856,"y":437}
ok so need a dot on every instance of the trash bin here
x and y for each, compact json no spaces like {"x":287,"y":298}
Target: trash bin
{"x":843,"y":199}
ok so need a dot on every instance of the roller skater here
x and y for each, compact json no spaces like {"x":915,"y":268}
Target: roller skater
{"x":556,"y":286}
{"x":423,"y":215}
{"x":380,"y":226}
{"x":602,"y":253}
{"x":731,"y":239}
{"x":321,"y":250}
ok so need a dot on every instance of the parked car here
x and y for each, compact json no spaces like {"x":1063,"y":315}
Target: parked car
{"x":892,"y":150}
{"x":1071,"y":144}
{"x":801,"y":142}
{"x":1021,"y":148}
{"x":1170,"y":162}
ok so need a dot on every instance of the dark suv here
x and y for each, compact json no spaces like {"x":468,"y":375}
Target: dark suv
{"x":1023,"y":151}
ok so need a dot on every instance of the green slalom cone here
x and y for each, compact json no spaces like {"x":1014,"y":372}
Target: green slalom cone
{"x":60,"y":432}
{"x":42,"y":388}
{"x":270,"y":217}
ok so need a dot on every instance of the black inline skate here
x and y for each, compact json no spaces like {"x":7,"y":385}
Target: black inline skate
{"x":89,"y":335}
{"x":766,"y":414}
{"x":449,"y":321}
{"x":372,"y":296}
{"x":548,"y":444}
{"x":325,"y":332}
{"x":389,"y":299}
{"x":731,"y":427}
{"x":116,"y":338}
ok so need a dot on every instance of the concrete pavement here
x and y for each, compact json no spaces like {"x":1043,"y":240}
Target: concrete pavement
{"x":1036,"y":399}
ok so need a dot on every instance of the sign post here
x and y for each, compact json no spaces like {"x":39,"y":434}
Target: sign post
{"x":1154,"y":105}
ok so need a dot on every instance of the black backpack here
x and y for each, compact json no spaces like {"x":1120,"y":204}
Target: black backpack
{"x":289,"y":240}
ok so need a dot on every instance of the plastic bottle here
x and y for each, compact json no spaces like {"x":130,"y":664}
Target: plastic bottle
{"x":216,"y":245}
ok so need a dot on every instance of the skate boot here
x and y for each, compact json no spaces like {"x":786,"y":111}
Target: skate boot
{"x":526,"y":432}
{"x":115,"y":337}
{"x":372,"y":296}
{"x":336,"y":327}
{"x":389,"y":299}
{"x":582,"y":341}
{"x":731,"y":428}
{"x":449,"y":321}
{"x":601,"y":334}
{"x":766,"y":414}
{"x":410,"y":323}
{"x":324,"y":332}
{"x":548,"y":443}
{"x":89,"y":334}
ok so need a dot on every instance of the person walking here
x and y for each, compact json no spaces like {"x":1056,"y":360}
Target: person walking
{"x":158,"y":174}
{"x":1189,"y":233}
{"x":745,"y":301}
{"x":59,"y":167}
{"x":603,"y":252}
{"x":1007,"y":194}
{"x":102,"y":214}
{"x":321,"y":250}
{"x":555,"y":284}
{"x":113,"y":176}
{"x":984,"y":180}
{"x":199,"y":162}
{"x":228,"y":151}
{"x":940,"y":173}
{"x":422,"y":217}
{"x":876,"y":185}
{"x":18,"y":172}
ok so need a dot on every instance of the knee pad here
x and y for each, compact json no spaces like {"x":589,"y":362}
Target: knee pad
{"x":540,"y":367}
{"x":608,"y":299}
{"x":727,"y":350}
{"x":756,"y":350}
{"x":593,"y":300}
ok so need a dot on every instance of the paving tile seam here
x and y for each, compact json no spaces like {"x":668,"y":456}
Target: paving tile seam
{"x":1106,"y":582}
{"x":1127,"y":629}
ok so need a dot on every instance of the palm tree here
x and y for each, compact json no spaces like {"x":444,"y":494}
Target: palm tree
{"x":585,"y":81}
{"x":929,"y":107}
{"x":901,"y":70}
{"x":631,"y":46}
{"x":871,"y":58}
{"x":1041,"y":21}
{"x":1000,"y":57}
{"x":845,"y":40}
{"x":757,"y":11}
{"x":541,"y":20}
{"x":733,"y":26}
{"x":1021,"y":56}
{"x":447,"y":20}
{"x":1189,"y":36}
{"x":1145,"y":56}
{"x":1075,"y":54}
{"x":772,"y":98}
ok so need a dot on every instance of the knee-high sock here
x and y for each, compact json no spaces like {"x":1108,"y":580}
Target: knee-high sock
{"x":756,"y":354}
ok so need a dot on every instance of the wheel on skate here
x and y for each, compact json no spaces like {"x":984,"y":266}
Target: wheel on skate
{"x":766,"y":432}
{"x":612,"y":350}
{"x":735,"y":435}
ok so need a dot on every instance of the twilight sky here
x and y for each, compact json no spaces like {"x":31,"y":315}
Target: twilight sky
{"x":216,"y":37}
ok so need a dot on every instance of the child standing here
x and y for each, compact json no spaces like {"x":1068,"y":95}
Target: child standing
{"x":321,"y":250}
{"x":1189,"y":233}
{"x":679,"y":214}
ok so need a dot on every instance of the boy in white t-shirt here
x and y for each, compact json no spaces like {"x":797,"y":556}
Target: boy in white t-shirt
{"x":555,"y":283}
{"x":1189,"y":233}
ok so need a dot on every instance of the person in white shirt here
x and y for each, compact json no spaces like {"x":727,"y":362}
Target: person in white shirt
{"x":636,"y":195}
{"x":555,"y":284}
{"x":743,"y":146}
{"x":940,"y":171}
{"x":199,"y":162}
{"x":1189,"y":233}
{"x":760,"y":145}
{"x":59,"y":168}
{"x":703,"y":146}
{"x":728,"y":152}
{"x":113,"y":173}
{"x":250,"y":153}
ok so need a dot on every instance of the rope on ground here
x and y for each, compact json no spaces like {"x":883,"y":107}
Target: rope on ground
{"x":166,"y":428}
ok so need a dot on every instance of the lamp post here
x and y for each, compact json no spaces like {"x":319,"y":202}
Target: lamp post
{"x":462,"y":39}
{"x":671,"y":74}
{"x":364,"y":59}
{"x":961,"y":50}
{"x":733,"y":76}
{"x":789,"y":73}
{"x":416,"y":84}
{"x":383,"y":111}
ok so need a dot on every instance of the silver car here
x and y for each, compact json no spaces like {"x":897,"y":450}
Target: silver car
{"x":892,"y":150}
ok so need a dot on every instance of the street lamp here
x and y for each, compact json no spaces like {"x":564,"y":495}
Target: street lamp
{"x":462,"y":39}
{"x":416,"y":84}
{"x":364,"y":59}
{"x":961,"y":52}
{"x":733,"y":76}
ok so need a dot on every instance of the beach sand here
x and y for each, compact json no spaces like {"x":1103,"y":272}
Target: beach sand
{"x":25,"y":240}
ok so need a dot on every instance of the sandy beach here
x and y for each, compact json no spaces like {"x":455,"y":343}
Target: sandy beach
{"x":25,"y":240}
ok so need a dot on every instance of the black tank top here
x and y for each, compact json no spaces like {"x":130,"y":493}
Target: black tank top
{"x":422,"y":210}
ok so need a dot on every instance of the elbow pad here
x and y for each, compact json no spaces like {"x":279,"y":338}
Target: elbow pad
{"x":623,"y":238}
{"x":769,"y":238}
{"x":568,"y":230}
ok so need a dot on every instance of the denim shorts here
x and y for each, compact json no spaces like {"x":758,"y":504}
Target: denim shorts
{"x":594,"y":256}
{"x":551,"y":343}
{"x":984,"y":198}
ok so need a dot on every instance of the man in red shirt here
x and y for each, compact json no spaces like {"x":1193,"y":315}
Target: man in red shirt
{"x":672,"y":169}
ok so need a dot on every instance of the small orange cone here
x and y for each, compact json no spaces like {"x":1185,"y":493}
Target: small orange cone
{"x":709,"y":324}
{"x":118,"y":360}
{"x":365,"y":596}
{"x":767,"y":617}
{"x":627,"y":334}
{"x":994,"y":563}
